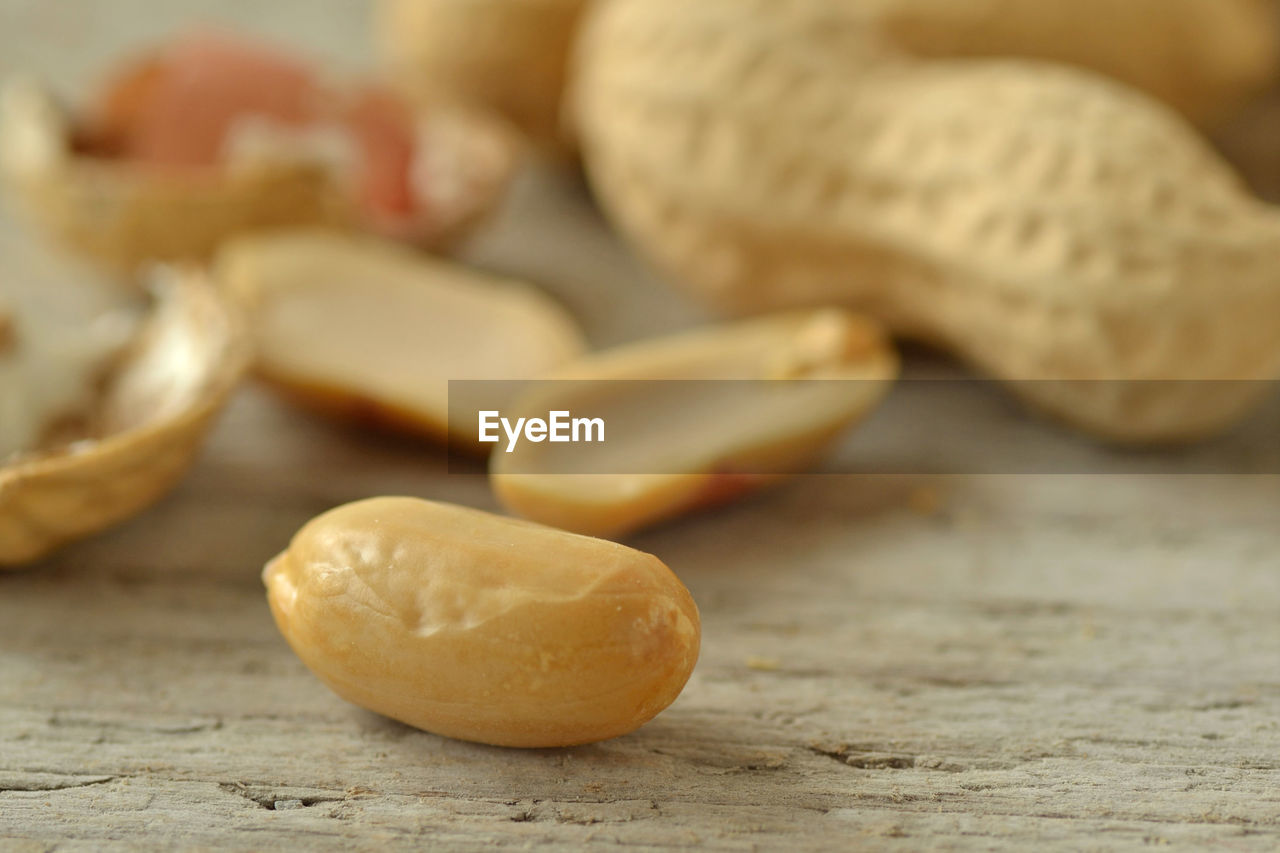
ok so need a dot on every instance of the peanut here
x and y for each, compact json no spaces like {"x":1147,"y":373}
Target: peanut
{"x":509,"y":55}
{"x":483,"y":628}
{"x":365,"y":329}
{"x":732,"y":430}
{"x":1202,"y":57}
{"x":1057,"y":230}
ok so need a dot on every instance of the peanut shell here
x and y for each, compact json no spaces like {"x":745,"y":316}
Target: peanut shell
{"x":509,"y":55}
{"x":1055,"y":229}
{"x":122,"y":215}
{"x":158,"y":406}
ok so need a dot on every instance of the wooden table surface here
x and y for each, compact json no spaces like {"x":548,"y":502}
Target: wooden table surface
{"x":1068,"y":660}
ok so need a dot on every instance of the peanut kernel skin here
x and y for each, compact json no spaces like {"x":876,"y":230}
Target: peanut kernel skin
{"x":483,"y":628}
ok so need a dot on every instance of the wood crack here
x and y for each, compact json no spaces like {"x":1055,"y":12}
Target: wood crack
{"x":272,"y":799}
{"x":55,"y":784}
{"x":59,"y":720}
{"x":875,"y":760}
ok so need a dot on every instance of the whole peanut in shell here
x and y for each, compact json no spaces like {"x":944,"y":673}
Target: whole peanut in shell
{"x":483,"y":628}
{"x":1060,"y":231}
{"x":509,"y":55}
{"x":1202,"y":57}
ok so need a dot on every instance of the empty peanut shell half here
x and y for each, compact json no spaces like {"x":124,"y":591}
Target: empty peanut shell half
{"x":688,"y":421}
{"x":371,"y":331}
{"x":141,"y":433}
{"x":213,"y":136}
{"x":483,"y":628}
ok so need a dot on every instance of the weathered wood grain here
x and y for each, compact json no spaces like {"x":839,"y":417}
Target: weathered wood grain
{"x":906,"y":661}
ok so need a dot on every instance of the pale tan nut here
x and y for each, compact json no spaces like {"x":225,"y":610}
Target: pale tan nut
{"x":509,"y":55}
{"x":368,"y":330}
{"x":157,"y":407}
{"x":122,"y":216}
{"x":1058,"y":231}
{"x":483,"y":628}
{"x":732,"y":422}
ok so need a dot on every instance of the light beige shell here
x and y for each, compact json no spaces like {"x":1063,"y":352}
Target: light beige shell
{"x":123,"y":216}
{"x":694,"y":419}
{"x":1059,"y":231}
{"x":1202,"y":57}
{"x":509,"y":55}
{"x":157,"y":407}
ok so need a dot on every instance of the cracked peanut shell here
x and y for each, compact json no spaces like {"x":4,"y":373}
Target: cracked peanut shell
{"x":159,"y":402}
{"x":123,"y":215}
